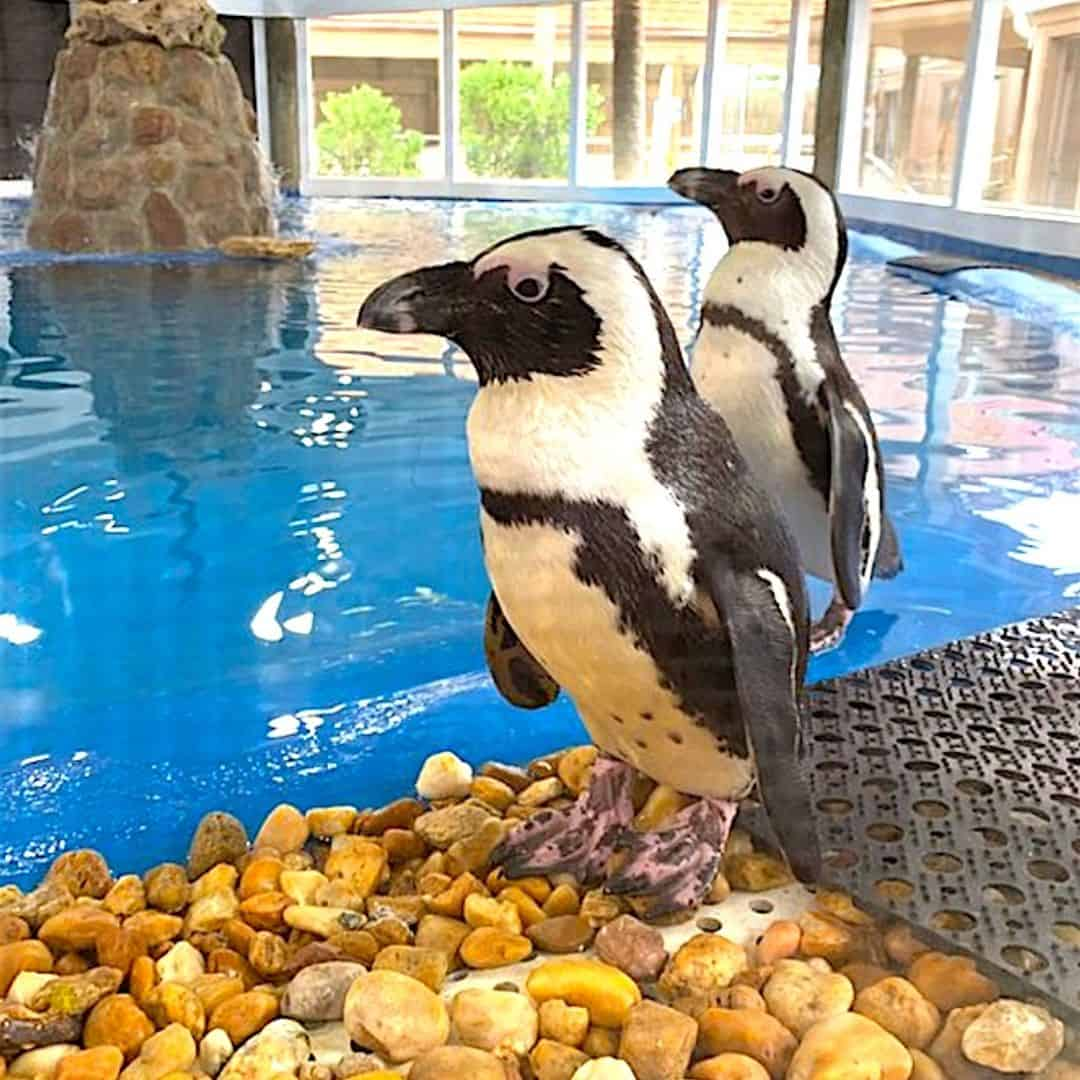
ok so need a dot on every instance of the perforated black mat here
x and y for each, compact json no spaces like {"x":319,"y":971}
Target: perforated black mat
{"x":947,"y":787}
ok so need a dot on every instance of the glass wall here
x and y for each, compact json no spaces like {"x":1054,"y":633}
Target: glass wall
{"x":375,"y":79}
{"x":1036,"y":151}
{"x":513,"y":92}
{"x":914,"y":89}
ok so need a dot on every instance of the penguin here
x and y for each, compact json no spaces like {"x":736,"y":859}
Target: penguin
{"x":766,"y":358}
{"x":634,"y":562}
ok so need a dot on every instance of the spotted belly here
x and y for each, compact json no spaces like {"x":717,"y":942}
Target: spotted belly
{"x":573,"y":629}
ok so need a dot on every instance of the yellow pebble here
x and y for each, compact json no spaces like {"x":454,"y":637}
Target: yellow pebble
{"x":605,"y":991}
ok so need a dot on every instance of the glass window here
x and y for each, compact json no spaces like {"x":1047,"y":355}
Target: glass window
{"x":914,"y":87}
{"x":1036,"y":150}
{"x":645,"y":111}
{"x":514,"y":92}
{"x":376,"y":85}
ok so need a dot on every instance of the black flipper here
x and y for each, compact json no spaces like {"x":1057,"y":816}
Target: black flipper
{"x":519,"y":676}
{"x":849,"y":456}
{"x":768,"y":649}
{"x":889,"y":560}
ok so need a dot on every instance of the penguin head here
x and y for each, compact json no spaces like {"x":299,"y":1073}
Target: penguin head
{"x":558,"y":302}
{"x":786,"y":209}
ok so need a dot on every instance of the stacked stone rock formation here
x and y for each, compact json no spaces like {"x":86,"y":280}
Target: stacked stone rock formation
{"x":148,"y":142}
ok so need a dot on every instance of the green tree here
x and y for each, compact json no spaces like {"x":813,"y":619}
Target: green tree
{"x":514,"y":123}
{"x":361,"y":135}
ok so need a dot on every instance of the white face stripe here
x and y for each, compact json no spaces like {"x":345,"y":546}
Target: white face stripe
{"x":783,"y":602}
{"x":584,"y":437}
{"x":871,"y":500}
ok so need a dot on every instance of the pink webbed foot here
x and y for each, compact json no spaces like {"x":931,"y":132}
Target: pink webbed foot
{"x":673,"y":868}
{"x":829,"y":630}
{"x":578,"y":841}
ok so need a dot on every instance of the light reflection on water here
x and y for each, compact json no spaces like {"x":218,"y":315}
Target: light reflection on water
{"x":239,"y":555}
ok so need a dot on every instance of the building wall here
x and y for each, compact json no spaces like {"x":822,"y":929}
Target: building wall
{"x":31,"y":34}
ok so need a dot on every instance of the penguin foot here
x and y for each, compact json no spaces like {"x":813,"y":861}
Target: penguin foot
{"x":829,"y":630}
{"x":578,"y":841}
{"x":673,"y":869}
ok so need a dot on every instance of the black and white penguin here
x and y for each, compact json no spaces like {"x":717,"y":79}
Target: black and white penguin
{"x":767,"y":360}
{"x":633,"y":560}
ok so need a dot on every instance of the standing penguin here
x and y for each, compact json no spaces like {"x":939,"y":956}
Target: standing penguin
{"x":633,"y":560}
{"x":767,"y":360}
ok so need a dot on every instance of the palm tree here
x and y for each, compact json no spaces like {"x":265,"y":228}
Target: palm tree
{"x":628,"y":87}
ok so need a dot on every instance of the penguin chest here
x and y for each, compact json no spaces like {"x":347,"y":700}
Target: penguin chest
{"x":576,"y":632}
{"x":737,"y":375}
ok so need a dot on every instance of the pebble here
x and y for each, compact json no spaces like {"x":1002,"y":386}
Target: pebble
{"x":214,"y":1051}
{"x":849,"y":1047}
{"x":74,"y":995}
{"x":924,"y":1067}
{"x":171,"y":1003}
{"x":430,"y":966}
{"x":357,"y":862}
{"x":1014,"y":1037}
{"x":42,"y":903}
{"x":318,"y":991}
{"x":219,"y":838}
{"x":261,"y":874}
{"x":284,"y":830}
{"x":444,"y":776}
{"x":302,"y":886}
{"x":242,"y":1015}
{"x":12,"y":928}
{"x":457,"y":1063}
{"x":400,"y":814}
{"x":575,"y":768}
{"x":479,"y":910}
{"x":530,"y":911}
{"x":154,"y":927}
{"x":100,"y":1063}
{"x":633,"y":947}
{"x":606,"y":1068}
{"x":280,"y":1048}
{"x":747,"y":1031}
{"x":951,"y":982}
{"x":118,"y":1021}
{"x":540,"y":792}
{"x":836,"y":941}
{"x":211,"y":911}
{"x":800,"y":997}
{"x":729,"y":1067}
{"x":323,"y":921}
{"x":657,"y":1041}
{"x":900,"y":1009}
{"x":563,"y":900}
{"x":442,"y":933}
{"x":75,"y":929}
{"x":487,"y":947}
{"x":181,"y":964}
{"x":40,"y":1063}
{"x":397,"y":1017}
{"x":490,"y":1019}
{"x":362,"y":1064}
{"x":83,"y":873}
{"x":553,"y":1061}
{"x":902,"y":946}
{"x":705,"y":963}
{"x":946,"y":1049}
{"x":441,"y":828}
{"x":494,"y":792}
{"x":863,"y":975}
{"x":19,"y":956}
{"x":25,"y":986}
{"x":755,"y":871}
{"x":167,"y":887}
{"x":450,"y":900}
{"x":608,"y":993}
{"x":562,"y":934}
{"x":127,"y":896}
{"x":171,"y":1050}
{"x":780,"y":941}
{"x":601,"y":1042}
{"x":326,"y":822}
{"x":566,"y":1024}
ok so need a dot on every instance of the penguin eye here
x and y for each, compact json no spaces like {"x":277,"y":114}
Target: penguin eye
{"x":529,"y":289}
{"x":768,"y":195}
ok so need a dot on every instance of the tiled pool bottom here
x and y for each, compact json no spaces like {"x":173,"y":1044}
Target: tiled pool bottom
{"x":240,"y":556}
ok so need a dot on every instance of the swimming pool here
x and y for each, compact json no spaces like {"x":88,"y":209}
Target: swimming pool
{"x":240,"y":558}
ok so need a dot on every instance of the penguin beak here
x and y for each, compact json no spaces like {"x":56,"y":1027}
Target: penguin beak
{"x":710,"y":187}
{"x":427,"y":301}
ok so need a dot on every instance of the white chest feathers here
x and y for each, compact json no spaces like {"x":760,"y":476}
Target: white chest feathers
{"x":576,"y":631}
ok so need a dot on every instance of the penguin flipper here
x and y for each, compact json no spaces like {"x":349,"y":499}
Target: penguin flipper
{"x":850,"y":456}
{"x":889,"y":561}
{"x":517,"y":674}
{"x":769,"y":660}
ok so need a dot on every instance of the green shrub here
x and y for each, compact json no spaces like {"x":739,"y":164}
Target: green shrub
{"x":514,"y":123}
{"x":361,"y":135}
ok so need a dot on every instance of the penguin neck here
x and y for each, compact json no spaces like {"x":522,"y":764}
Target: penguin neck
{"x":754,"y":275}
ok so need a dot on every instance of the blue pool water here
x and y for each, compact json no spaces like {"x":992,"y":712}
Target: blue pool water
{"x":239,"y":557}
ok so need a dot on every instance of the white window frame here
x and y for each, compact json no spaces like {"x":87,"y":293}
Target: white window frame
{"x":962,"y":214}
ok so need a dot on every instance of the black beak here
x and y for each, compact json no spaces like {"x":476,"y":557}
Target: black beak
{"x":427,"y":301}
{"x":710,"y":187}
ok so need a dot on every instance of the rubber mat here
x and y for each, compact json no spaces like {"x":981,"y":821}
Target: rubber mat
{"x":947,"y":787}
